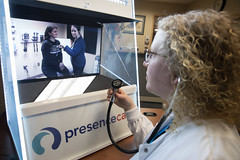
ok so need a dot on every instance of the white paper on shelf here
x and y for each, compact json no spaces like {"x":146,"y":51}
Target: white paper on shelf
{"x":66,"y":87}
{"x":62,"y":88}
{"x":47,"y":92}
{"x":79,"y":86}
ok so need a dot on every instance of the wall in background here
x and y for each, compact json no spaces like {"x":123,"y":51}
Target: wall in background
{"x":232,"y":6}
{"x":151,"y":9}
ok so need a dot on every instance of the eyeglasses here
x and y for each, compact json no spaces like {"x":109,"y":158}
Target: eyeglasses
{"x":148,"y":55}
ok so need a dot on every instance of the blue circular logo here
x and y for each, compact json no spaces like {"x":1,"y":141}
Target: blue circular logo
{"x":36,"y":142}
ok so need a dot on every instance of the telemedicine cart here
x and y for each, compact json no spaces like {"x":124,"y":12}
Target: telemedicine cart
{"x":65,"y":118}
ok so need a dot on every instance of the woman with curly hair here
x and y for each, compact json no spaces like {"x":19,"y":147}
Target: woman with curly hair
{"x":194,"y":66}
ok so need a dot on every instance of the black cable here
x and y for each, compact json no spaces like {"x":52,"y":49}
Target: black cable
{"x":155,"y":131}
{"x":116,"y":84}
{"x":110,"y":134}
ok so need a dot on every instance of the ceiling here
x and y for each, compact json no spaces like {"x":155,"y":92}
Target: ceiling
{"x":171,"y":1}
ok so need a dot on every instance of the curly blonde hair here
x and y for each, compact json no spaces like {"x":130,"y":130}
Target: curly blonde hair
{"x":204,"y":50}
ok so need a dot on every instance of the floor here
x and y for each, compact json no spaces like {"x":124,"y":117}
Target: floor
{"x":7,"y":149}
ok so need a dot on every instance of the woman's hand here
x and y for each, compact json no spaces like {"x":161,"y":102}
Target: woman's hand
{"x":61,"y":46}
{"x":61,"y":66}
{"x":121,"y":99}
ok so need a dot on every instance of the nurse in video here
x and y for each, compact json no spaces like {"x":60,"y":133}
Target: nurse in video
{"x":76,"y":51}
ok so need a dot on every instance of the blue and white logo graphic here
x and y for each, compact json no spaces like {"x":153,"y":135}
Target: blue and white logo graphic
{"x":36,"y":143}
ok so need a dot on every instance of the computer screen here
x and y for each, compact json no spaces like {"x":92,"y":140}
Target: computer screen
{"x":38,"y":58}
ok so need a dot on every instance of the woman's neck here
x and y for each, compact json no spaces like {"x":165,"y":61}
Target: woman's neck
{"x":52,"y":39}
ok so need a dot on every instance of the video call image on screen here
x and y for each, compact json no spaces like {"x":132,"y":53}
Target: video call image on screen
{"x":28,"y":38}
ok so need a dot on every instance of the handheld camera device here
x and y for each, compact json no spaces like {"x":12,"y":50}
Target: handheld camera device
{"x":116,"y":84}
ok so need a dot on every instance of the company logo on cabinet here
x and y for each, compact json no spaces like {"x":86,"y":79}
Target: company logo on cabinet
{"x":70,"y":134}
{"x":36,"y":142}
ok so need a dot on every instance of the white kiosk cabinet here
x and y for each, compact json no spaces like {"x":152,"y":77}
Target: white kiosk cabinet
{"x":66,"y":118}
{"x":72,"y":127}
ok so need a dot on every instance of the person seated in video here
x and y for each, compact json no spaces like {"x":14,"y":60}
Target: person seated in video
{"x":52,"y":63}
{"x":194,"y":65}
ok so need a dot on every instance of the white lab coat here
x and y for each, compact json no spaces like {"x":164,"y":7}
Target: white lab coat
{"x":210,"y":140}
